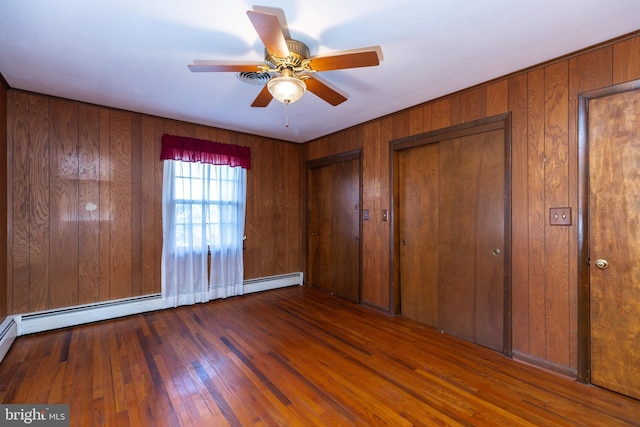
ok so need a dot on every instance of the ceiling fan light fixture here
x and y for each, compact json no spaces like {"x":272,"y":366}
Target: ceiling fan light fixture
{"x":287,"y":65}
{"x":287,"y":88}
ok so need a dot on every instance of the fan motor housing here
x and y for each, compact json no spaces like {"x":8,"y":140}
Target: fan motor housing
{"x":298,"y":52}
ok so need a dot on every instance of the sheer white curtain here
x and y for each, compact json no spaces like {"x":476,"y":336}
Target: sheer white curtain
{"x":203,"y":206}
{"x":226,"y":236}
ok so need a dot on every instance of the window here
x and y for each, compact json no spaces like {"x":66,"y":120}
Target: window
{"x":203,"y":206}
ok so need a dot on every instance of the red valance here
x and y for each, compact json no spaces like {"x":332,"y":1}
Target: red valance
{"x":198,"y":150}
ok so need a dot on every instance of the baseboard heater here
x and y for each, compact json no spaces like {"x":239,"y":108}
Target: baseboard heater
{"x":272,"y":282}
{"x":77,"y":315}
{"x":80,"y":314}
{"x":8,"y":334}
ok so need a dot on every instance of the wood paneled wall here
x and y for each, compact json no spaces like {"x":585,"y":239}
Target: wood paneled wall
{"x":543,"y":102}
{"x":85,"y":192}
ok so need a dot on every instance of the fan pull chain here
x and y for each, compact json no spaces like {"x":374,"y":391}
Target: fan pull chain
{"x":286,"y":106}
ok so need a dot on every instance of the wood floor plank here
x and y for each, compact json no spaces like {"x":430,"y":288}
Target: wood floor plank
{"x":293,"y":356}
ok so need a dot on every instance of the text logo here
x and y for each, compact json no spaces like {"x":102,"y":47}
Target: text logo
{"x":34,"y":415}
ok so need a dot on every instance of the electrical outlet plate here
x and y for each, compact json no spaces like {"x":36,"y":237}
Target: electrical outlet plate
{"x":559,"y":216}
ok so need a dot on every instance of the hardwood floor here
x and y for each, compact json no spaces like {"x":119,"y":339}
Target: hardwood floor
{"x":293,"y":356}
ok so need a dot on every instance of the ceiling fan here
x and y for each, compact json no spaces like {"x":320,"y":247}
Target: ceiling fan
{"x":289,"y":60}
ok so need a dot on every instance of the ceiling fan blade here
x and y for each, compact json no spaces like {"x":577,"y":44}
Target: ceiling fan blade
{"x":268,"y":28}
{"x":214,"y":66}
{"x":281,"y":17}
{"x":341,"y":61}
{"x":325,"y":92}
{"x":263,"y":99}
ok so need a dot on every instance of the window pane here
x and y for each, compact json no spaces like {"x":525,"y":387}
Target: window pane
{"x":205,"y":209}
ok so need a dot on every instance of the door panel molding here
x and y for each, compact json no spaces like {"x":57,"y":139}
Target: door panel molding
{"x":336,"y":158}
{"x":584,"y":323}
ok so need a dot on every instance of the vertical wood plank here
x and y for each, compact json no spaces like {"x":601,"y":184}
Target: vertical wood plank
{"x":159,"y":176}
{"x":4,"y":203}
{"x":291,"y":165}
{"x":416,"y":120}
{"x":626,"y":60}
{"x":264,"y":202}
{"x":519,"y":215}
{"x":590,"y":71}
{"x":427,"y":116}
{"x":556,"y":194}
{"x":441,"y":113}
{"x":455,"y":109}
{"x":497,"y":98}
{"x":400,"y":125}
{"x":272,"y":204}
{"x":64,"y":203}
{"x":136,"y":206}
{"x":371,"y":252}
{"x":20,"y":209}
{"x":536,"y":212}
{"x":252,"y":230}
{"x":264,"y":210}
{"x":375,"y":194}
{"x":473,"y":104}
{"x":89,"y":204}
{"x":105,"y":206}
{"x":312,"y":148}
{"x":273,"y":200}
{"x":39,"y":204}
{"x":150,"y":204}
{"x":158,"y":232}
{"x":383,"y":202}
{"x":121,"y":201}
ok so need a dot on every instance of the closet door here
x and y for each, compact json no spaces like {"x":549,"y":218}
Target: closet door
{"x":418,"y":175}
{"x":614,"y":241}
{"x":471,"y":238}
{"x":320,"y":271}
{"x":334,"y":226}
{"x":452,"y":218}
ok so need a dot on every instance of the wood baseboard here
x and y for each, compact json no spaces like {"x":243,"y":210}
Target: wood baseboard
{"x":545,"y":364}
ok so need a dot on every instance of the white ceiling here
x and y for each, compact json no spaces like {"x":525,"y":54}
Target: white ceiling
{"x":133,"y":54}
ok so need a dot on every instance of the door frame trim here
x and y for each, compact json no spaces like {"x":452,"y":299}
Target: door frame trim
{"x":500,"y":121}
{"x":584,"y":320}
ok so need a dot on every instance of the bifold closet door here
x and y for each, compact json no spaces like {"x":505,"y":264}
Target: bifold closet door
{"x":471,"y":238}
{"x":451,"y":213}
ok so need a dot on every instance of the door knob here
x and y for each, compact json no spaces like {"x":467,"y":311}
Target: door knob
{"x":602,"y":264}
{"x":496,"y":251}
